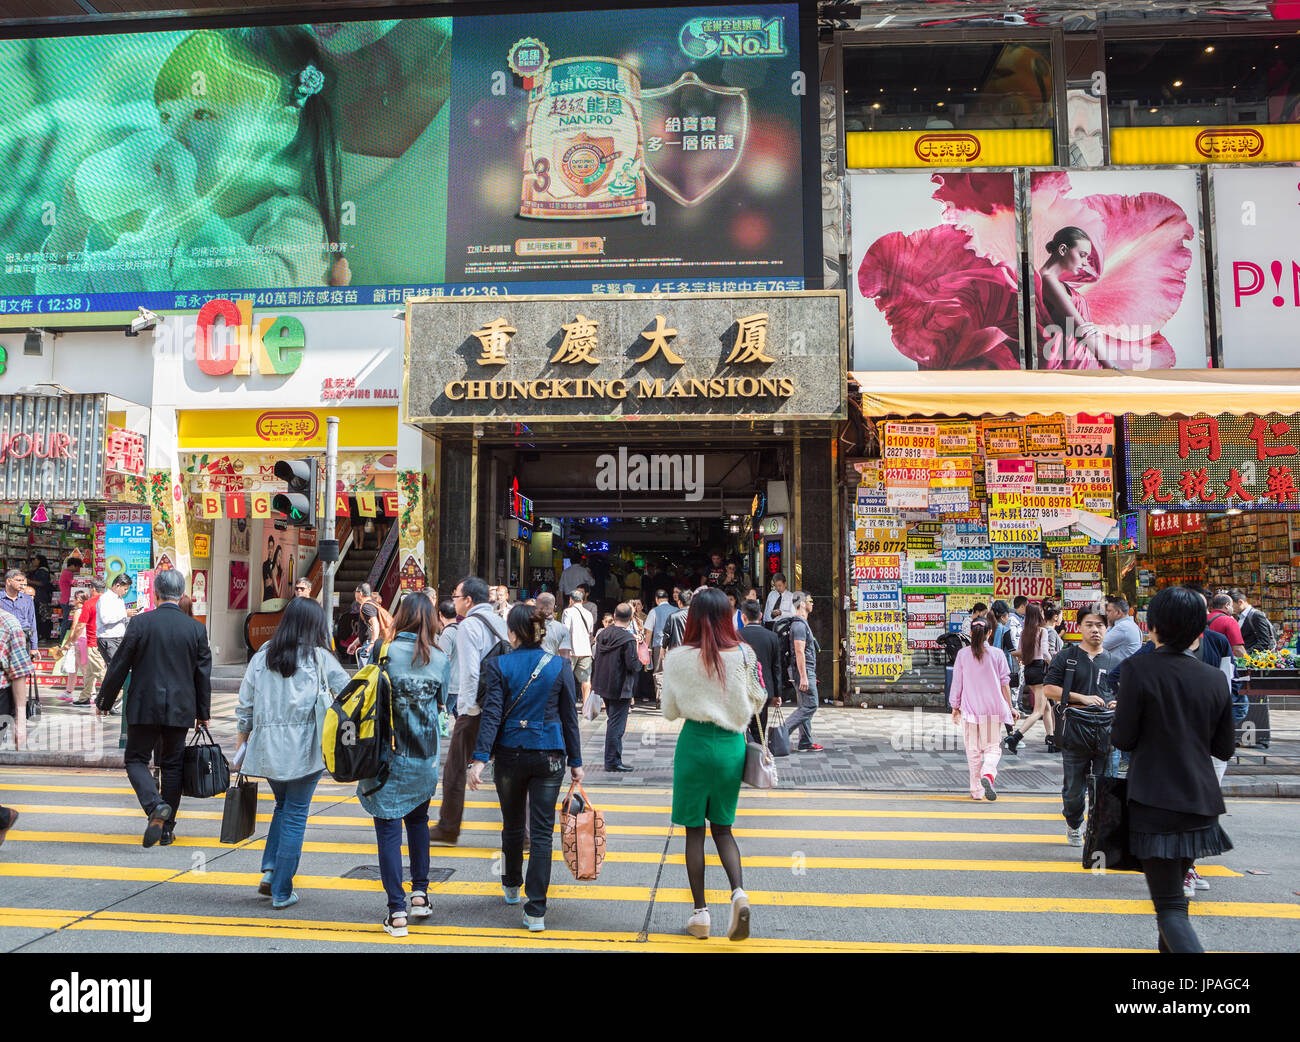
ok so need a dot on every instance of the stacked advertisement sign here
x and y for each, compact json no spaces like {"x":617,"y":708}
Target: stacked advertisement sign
{"x":957,"y":512}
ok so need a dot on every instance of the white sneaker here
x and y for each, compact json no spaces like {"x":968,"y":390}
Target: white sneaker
{"x":1189,"y":886}
{"x":698,"y":924}
{"x":1201,"y":884}
{"x":1074,"y":836}
{"x":738,"y":930}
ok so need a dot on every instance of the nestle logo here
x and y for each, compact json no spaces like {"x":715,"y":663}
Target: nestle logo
{"x":947,"y":148}
{"x":1230,"y":143}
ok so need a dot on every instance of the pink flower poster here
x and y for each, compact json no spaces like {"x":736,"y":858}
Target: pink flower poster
{"x":1117,"y":269}
{"x":936,"y":258}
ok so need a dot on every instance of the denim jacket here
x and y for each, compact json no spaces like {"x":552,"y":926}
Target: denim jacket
{"x":413,"y":770}
{"x":546,"y":717}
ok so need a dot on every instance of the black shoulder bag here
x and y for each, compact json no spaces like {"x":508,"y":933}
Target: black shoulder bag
{"x":1105,"y":841}
{"x":1078,"y":728}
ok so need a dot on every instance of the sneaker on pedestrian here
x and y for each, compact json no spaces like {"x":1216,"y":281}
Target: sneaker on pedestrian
{"x":814,"y":748}
{"x":420,"y":908}
{"x":1010,"y":743}
{"x":512,"y":895}
{"x":698,"y":924}
{"x":395,"y":924}
{"x":989,"y":793}
{"x":1074,"y":837}
{"x":440,"y":837}
{"x":288,"y":902}
{"x":264,"y":887}
{"x":738,"y":930}
{"x":1189,"y":886}
{"x":1201,"y":884}
{"x":534,"y":923}
{"x":81,"y":702}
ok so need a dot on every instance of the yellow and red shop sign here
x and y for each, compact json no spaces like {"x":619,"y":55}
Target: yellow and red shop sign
{"x":366,"y":427}
{"x":866,"y":149}
{"x":1256,"y":143}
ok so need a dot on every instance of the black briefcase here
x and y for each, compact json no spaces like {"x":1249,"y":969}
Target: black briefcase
{"x":239,"y":815}
{"x":205,"y":772}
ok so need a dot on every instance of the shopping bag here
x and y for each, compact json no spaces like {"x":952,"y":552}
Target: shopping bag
{"x":1105,"y":843}
{"x":591,"y":707}
{"x":778,"y":738}
{"x":239,"y":815}
{"x":204,"y":771}
{"x":66,"y":664}
{"x":582,"y":835}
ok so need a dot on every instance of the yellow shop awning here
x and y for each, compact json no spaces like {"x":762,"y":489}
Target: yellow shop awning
{"x":992,"y":392}
{"x":271,"y":430}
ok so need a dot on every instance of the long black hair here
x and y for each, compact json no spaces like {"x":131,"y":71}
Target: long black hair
{"x":302,"y":628}
{"x":416,"y":615}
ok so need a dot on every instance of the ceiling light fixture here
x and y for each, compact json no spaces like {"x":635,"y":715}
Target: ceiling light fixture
{"x":1209,"y":49}
{"x":1178,"y":83}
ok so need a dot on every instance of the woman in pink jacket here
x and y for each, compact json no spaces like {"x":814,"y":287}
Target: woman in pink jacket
{"x":981,"y":702}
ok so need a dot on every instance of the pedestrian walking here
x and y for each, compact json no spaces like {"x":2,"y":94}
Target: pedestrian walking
{"x":17,"y":602}
{"x":529,"y":730}
{"x":779,"y":603}
{"x":19,"y":676}
{"x":42,"y":584}
{"x":981,"y":703}
{"x":71,"y":568}
{"x":767,"y":648}
{"x":706,"y":684}
{"x":675,"y":627}
{"x":654,"y":629}
{"x":111,"y":616}
{"x":83,"y":629}
{"x":1035,"y":653}
{"x":287,"y":689}
{"x":166,"y":655}
{"x":804,"y":672}
{"x":76,"y":644}
{"x":418,"y":674}
{"x":448,"y":626}
{"x":557,"y":640}
{"x":582,"y":627}
{"x":1123,"y":637}
{"x":1090,"y":673}
{"x":478,"y":633}
{"x":1175,"y":714}
{"x":369,"y":629}
{"x":614,"y":680}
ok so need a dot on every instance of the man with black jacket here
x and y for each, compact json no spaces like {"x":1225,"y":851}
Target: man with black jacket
{"x":613,"y":679}
{"x":768,"y":649}
{"x":166,"y":654}
{"x":1256,"y":630}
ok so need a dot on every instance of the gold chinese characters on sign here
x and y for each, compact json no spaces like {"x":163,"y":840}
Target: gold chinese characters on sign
{"x":579,"y":342}
{"x":751,"y":340}
{"x":658,"y":338}
{"x":494,"y":337}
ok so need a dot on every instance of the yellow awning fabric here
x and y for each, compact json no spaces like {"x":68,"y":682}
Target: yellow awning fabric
{"x":1166,"y":392}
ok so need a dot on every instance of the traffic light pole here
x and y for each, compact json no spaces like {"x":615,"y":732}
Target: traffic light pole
{"x":328,"y":538}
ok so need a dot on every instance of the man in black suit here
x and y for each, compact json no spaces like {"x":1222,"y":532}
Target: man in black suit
{"x":613,"y":679}
{"x":768,"y":649}
{"x":166,"y":653}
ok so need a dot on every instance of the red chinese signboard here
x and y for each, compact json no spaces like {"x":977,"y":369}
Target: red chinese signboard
{"x":1213,"y":463}
{"x":124,"y":452}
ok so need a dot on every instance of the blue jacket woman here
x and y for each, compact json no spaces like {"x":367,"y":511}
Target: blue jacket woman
{"x":418,"y":673}
{"x":529,"y":724}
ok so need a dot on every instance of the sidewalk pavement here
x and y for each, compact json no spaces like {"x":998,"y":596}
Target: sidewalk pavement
{"x":906,"y":750}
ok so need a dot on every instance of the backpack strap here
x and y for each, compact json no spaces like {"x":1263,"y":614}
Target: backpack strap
{"x":1071,"y":667}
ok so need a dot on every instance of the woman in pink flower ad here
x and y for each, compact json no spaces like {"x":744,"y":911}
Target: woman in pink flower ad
{"x":1069,"y":339}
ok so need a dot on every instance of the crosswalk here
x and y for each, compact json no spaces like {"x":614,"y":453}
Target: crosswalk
{"x":825,"y":872}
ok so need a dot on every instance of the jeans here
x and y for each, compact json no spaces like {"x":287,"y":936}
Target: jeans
{"x":1165,"y":882}
{"x":388,"y":834}
{"x":528,"y":780}
{"x":803,"y":714}
{"x":1240,"y":706}
{"x":140,"y":741}
{"x":363,"y":654}
{"x":460,"y":747}
{"x":616,"y":711}
{"x":1077,"y":767}
{"x":657,"y":658}
{"x":288,"y":823}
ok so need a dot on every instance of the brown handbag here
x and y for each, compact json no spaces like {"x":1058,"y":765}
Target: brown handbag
{"x":582,"y":835}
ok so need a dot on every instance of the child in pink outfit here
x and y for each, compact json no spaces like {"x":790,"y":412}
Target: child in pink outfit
{"x":981,"y":700}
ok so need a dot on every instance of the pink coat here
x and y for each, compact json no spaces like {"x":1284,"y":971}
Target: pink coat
{"x":977,"y":685}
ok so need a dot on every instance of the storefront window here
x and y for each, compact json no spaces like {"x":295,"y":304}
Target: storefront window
{"x":1183,"y":82}
{"x":964,"y":86}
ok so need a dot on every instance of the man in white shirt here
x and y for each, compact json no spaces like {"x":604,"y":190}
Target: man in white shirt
{"x":111,"y":616}
{"x":1123,"y":638}
{"x":557,"y":640}
{"x":577,"y":574}
{"x":780,"y":602}
{"x":581,"y":628}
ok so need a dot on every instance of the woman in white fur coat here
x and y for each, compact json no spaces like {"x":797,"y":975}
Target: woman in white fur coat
{"x":705,"y":683}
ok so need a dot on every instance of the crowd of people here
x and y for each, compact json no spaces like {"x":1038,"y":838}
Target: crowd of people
{"x":513,"y":680}
{"x":1163,"y":714}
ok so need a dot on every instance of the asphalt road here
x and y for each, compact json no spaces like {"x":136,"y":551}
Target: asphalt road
{"x":825,"y":871}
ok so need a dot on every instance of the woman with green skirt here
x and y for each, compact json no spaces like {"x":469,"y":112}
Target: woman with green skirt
{"x":706,"y":683}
